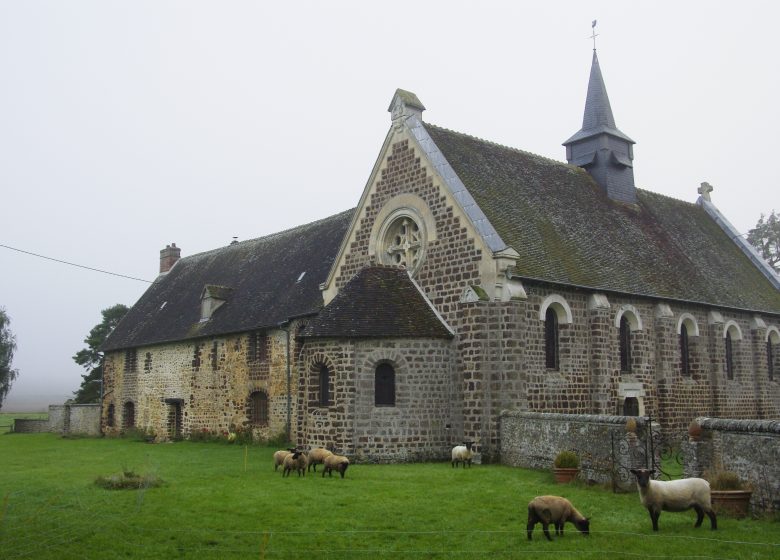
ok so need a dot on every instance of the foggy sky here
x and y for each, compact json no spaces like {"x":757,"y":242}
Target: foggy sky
{"x":125,"y":126}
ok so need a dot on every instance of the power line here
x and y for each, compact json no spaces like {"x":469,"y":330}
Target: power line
{"x":74,"y":264}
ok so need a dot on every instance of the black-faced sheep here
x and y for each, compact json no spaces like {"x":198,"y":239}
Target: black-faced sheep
{"x":280,"y":455}
{"x":462,"y":454}
{"x":675,"y":495}
{"x":317,"y":456}
{"x":555,"y":510}
{"x":296,"y":461}
{"x":335,"y":462}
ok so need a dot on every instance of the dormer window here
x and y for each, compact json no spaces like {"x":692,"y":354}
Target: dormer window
{"x":211,"y":299}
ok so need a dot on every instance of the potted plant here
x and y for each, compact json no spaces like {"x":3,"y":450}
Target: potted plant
{"x":730,"y":494}
{"x":566,"y":466}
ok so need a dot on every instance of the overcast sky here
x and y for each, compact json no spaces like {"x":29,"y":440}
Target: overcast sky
{"x":125,"y":126}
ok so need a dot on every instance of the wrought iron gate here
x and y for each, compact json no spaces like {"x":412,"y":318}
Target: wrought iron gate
{"x":646,"y":448}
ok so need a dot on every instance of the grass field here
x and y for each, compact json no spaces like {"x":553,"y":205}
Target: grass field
{"x":7,"y":419}
{"x":226,"y":501}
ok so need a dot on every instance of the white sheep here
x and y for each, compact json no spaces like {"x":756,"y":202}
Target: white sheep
{"x":296,"y":461}
{"x":280,"y":455}
{"x":555,"y":510}
{"x":334,"y":462}
{"x":675,"y":495}
{"x":317,"y":456}
{"x":462,"y":454}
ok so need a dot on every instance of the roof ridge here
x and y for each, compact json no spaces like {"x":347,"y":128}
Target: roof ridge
{"x":662,"y":195}
{"x":498,"y":145}
{"x":270,"y":235}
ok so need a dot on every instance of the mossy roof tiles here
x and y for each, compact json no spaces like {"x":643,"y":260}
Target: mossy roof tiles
{"x":260,"y":280}
{"x":568,"y":231}
{"x":378,"y":302}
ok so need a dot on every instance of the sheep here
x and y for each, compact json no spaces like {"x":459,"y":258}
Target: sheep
{"x":334,"y":462}
{"x":316,"y":456}
{"x":555,"y":510}
{"x":280,"y":455}
{"x":462,"y":454}
{"x":296,"y":461}
{"x":675,"y":495}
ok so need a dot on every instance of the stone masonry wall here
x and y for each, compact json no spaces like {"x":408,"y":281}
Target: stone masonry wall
{"x":64,"y":419}
{"x":418,"y":427}
{"x":213,"y":379}
{"x":532,"y":440}
{"x":30,"y":426}
{"x":750,"y":448}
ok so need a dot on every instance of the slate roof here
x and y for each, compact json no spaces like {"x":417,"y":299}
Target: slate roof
{"x":568,"y":231}
{"x":597,"y":117}
{"x":379,"y":301}
{"x":259,"y":279}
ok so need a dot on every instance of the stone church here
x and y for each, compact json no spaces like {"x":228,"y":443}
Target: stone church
{"x":471,"y":278}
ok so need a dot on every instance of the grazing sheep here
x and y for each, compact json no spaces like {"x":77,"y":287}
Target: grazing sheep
{"x":296,"y":461}
{"x":555,"y":510}
{"x":675,"y":495}
{"x":317,"y":456}
{"x":462,"y":454}
{"x":280,"y":455}
{"x":334,"y":462}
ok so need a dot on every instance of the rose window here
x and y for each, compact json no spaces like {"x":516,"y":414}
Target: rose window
{"x":404,"y":243}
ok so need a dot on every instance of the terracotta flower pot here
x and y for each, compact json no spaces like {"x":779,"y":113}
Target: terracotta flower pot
{"x":564,"y":475}
{"x":733,"y":503}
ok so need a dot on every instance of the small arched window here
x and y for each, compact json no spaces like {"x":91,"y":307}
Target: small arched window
{"x":324,"y":392}
{"x":729,"y":357}
{"x":631,"y":406}
{"x":128,"y":415}
{"x":110,"y":416}
{"x":625,"y":345}
{"x":551,"y":348}
{"x":772,"y":350}
{"x":384,"y":385}
{"x":685,"y":356}
{"x":258,"y":408}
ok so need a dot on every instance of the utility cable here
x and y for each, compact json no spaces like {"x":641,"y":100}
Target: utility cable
{"x":74,"y":264}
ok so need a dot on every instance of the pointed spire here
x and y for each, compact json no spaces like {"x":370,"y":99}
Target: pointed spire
{"x":599,"y":146}
{"x":598,"y":116}
{"x":598,"y":112}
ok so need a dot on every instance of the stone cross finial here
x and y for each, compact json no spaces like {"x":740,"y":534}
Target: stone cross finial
{"x":704,"y":190}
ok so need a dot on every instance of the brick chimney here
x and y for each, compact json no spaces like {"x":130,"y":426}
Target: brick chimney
{"x":168,"y":257}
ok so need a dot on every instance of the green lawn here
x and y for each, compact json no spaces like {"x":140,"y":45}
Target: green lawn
{"x":225,"y":501}
{"x":7,"y":419}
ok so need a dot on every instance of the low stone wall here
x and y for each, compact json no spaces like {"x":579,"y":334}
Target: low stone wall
{"x":30,"y":426}
{"x":606,"y":449}
{"x":750,"y":448}
{"x":64,"y":419}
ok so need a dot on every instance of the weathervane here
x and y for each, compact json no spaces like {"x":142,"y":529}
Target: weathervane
{"x":593,"y":26}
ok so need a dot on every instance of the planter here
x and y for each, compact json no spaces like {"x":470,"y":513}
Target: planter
{"x":732,"y":503}
{"x":564,"y":475}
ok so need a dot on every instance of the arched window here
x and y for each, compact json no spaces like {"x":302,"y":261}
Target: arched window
{"x":729,"y":357}
{"x":324,"y":393}
{"x":631,"y":406}
{"x":384,"y":385}
{"x":128,"y":415}
{"x":551,"y":349}
{"x":772,"y":346}
{"x":685,"y":356}
{"x":110,"y":416}
{"x":258,"y":408}
{"x":625,"y":345}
